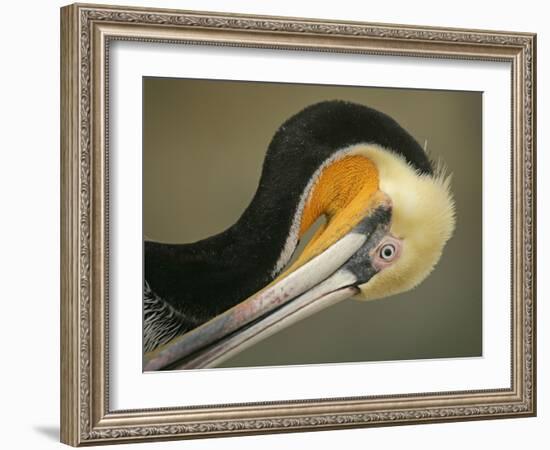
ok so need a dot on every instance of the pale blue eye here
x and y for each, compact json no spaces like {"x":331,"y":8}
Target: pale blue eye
{"x":387,"y":252}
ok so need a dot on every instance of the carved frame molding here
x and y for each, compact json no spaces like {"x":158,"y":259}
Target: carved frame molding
{"x":86,"y":32}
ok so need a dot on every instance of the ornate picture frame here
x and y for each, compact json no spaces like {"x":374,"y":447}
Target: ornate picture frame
{"x":87,"y":32}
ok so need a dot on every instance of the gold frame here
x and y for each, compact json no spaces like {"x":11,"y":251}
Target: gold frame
{"x":86,"y":31}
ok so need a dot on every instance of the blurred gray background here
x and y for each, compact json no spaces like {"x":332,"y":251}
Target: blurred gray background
{"x":203,"y":146}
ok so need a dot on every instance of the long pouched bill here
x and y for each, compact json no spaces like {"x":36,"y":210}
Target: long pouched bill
{"x":328,"y":277}
{"x":260,"y":304}
{"x":327,"y":293}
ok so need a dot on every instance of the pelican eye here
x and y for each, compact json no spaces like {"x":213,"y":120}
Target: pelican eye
{"x":387,"y":252}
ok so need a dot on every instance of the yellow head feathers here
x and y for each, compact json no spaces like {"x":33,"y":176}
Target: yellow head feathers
{"x":423,"y":218}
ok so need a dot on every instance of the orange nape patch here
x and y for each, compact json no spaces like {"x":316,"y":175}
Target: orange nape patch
{"x":338,"y":186}
{"x":342,"y":193}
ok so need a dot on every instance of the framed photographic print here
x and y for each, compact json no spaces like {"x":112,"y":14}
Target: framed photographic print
{"x":275,"y":224}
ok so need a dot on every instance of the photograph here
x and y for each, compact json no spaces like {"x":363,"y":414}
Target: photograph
{"x":279,"y":224}
{"x":306,"y":224}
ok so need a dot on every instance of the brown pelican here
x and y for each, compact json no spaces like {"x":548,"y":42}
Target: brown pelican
{"x":389,"y":213}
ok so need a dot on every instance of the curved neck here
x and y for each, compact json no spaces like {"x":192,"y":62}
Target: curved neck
{"x":305,"y":146}
{"x":249,"y":254}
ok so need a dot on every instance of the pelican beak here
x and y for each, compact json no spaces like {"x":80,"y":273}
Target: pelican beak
{"x":327,"y":278}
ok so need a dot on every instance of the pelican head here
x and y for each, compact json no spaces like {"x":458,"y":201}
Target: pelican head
{"x":423,"y":220}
